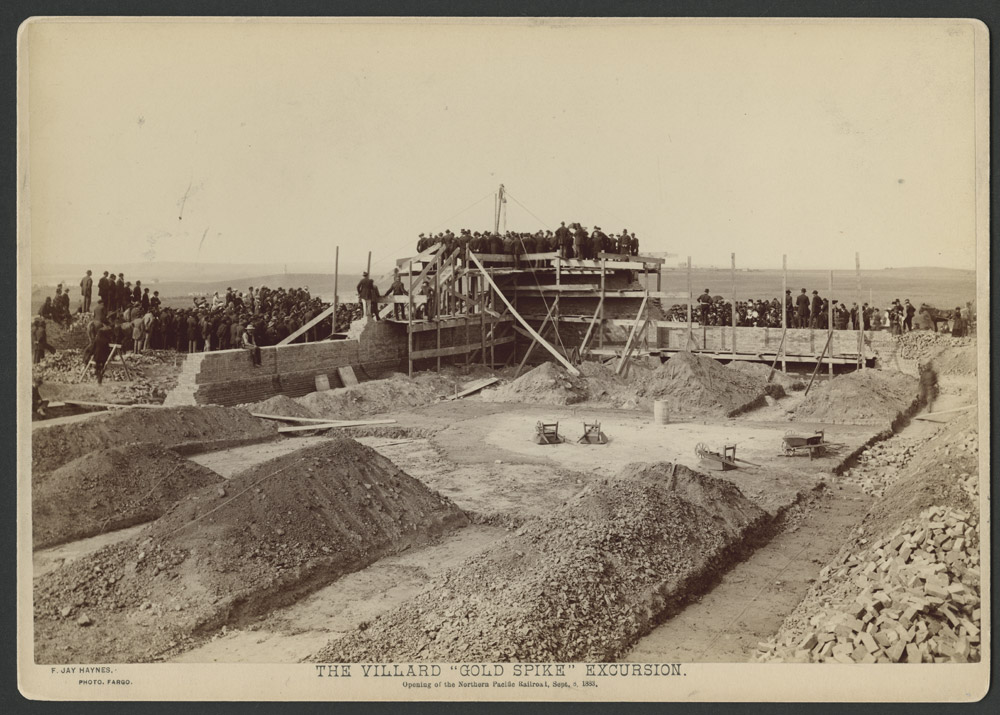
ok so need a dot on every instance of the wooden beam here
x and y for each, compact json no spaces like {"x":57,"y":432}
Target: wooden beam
{"x":85,"y":403}
{"x":336,"y":281}
{"x":420,"y":257}
{"x":476,"y":387}
{"x":285,"y":418}
{"x":819,"y":361}
{"x":861,"y":313}
{"x":455,"y":349}
{"x":784,"y":307}
{"x":732,"y":257}
{"x":566,"y":363}
{"x":636,"y":259}
{"x":409,"y":327}
{"x":334,"y":425}
{"x":315,"y":321}
{"x":631,"y":337}
{"x":593,"y":322}
{"x":531,"y":347}
{"x":829,"y":317}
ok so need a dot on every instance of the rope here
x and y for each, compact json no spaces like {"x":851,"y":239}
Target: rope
{"x":443,"y":224}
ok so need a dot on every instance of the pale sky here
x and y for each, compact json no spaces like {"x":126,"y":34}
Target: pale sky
{"x":264,"y":142}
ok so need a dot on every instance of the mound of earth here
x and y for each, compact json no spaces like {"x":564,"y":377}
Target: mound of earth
{"x":869,"y":397}
{"x":70,"y":336}
{"x":695,"y":384}
{"x":547,"y":384}
{"x":605,"y":388}
{"x":962,"y":360}
{"x":110,"y":489}
{"x":581,"y":584}
{"x":55,"y":445}
{"x":280,"y":405}
{"x":377,"y":397}
{"x":223,"y":555}
{"x":761,"y":371}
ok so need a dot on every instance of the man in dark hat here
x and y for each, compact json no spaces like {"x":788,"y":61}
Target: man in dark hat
{"x":249,"y":342}
{"x":368,"y":295}
{"x":817,"y":311}
{"x":802,"y":308}
{"x":86,"y":290}
{"x":705,"y":301}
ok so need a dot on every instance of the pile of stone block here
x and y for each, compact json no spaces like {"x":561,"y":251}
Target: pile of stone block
{"x":915,"y":599}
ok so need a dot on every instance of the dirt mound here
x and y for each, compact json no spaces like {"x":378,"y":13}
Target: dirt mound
{"x":377,"y":397}
{"x":700,"y":385}
{"x":547,"y":384}
{"x":580,"y":584}
{"x":869,"y":397}
{"x":280,"y":405}
{"x":761,"y":371}
{"x":962,"y":360}
{"x":53,"y":446}
{"x":111,"y":489}
{"x":70,"y":336}
{"x":222,"y":556}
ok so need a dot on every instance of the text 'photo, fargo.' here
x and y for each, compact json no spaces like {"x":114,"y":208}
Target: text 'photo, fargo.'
{"x":441,"y":343}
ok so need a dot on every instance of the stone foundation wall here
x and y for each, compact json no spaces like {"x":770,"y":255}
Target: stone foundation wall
{"x":228,"y":377}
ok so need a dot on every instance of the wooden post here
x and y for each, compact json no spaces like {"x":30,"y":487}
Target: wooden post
{"x":600,"y":325}
{"x":336,"y":275}
{"x":733,"y":269}
{"x":819,"y":363}
{"x":861,"y":313}
{"x":482,"y":321}
{"x":659,"y":276}
{"x":555,"y":308}
{"x":409,"y":324}
{"x":369,"y":268}
{"x":524,"y":323}
{"x":437,"y":308}
{"x":687,"y":344}
{"x":784,"y":308}
{"x":829,"y":319}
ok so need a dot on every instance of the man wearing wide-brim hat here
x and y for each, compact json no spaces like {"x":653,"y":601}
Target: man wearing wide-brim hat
{"x":249,"y":342}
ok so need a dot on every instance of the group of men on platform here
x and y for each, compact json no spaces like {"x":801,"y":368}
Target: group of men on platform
{"x":573,"y":241}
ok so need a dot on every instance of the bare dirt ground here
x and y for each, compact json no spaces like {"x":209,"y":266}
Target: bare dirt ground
{"x":481,"y":456}
{"x":294,"y":633}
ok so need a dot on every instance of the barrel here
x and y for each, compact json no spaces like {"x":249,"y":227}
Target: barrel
{"x":322,"y":383}
{"x":660,"y":412}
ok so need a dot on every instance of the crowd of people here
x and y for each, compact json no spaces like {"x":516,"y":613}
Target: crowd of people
{"x":128,"y":316}
{"x":573,"y":241}
{"x":813,"y":311}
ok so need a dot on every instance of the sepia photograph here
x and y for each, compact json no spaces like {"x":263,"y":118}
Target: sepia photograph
{"x":503,"y":359}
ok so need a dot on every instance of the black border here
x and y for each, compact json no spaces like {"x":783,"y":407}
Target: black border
{"x":14,"y":12}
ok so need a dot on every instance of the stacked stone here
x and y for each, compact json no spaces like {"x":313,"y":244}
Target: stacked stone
{"x":917,"y":599}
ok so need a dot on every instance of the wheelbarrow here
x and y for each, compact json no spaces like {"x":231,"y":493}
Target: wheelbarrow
{"x":814,"y":443}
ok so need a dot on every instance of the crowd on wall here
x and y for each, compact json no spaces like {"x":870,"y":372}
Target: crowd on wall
{"x":129,"y":316}
{"x":813,"y":311}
